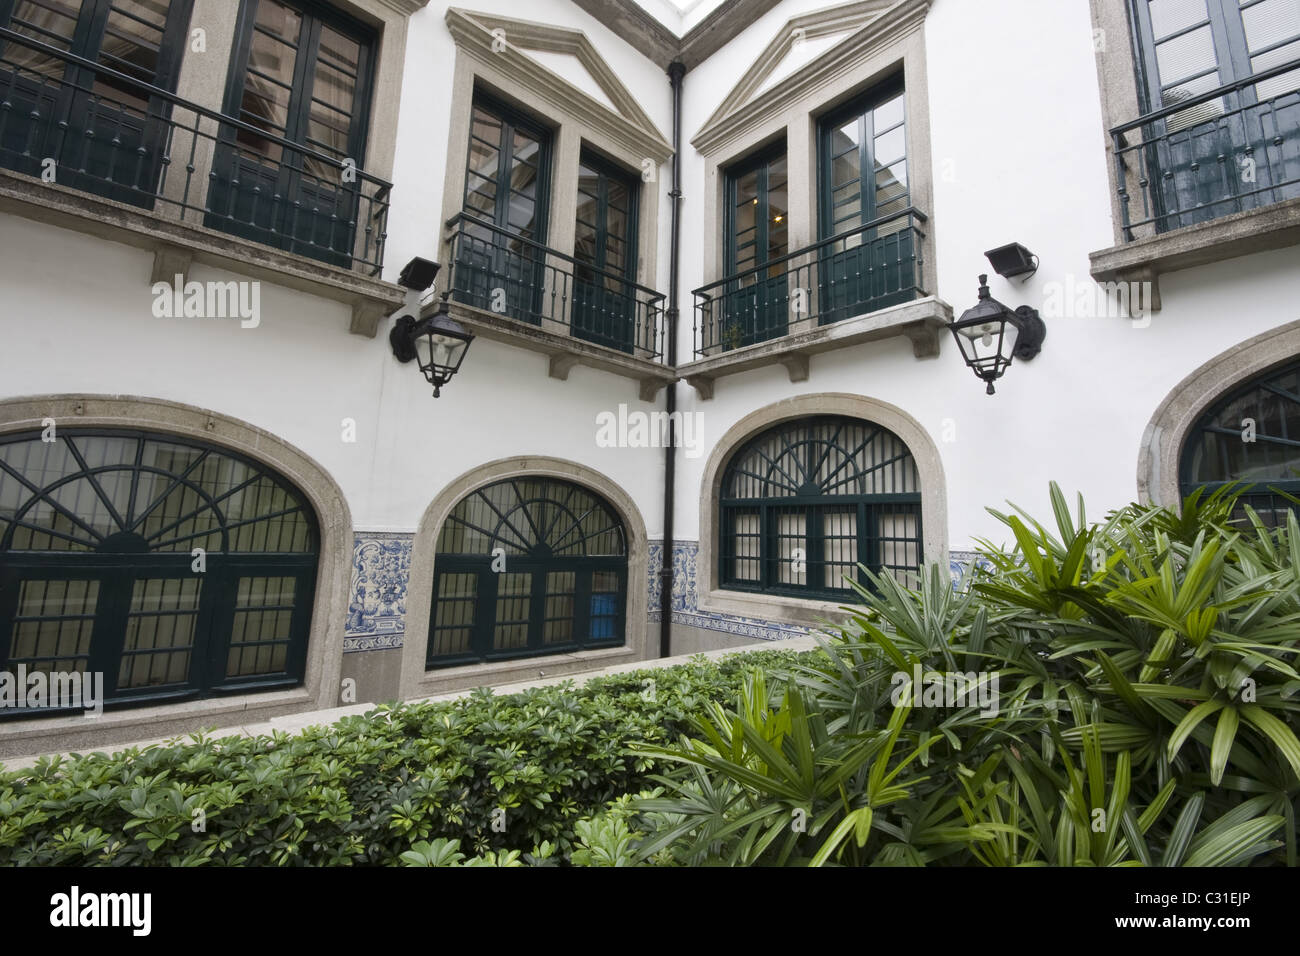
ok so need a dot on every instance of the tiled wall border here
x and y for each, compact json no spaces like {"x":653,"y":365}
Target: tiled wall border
{"x":381,"y":564}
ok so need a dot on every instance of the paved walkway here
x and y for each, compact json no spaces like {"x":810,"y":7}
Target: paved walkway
{"x":296,"y":723}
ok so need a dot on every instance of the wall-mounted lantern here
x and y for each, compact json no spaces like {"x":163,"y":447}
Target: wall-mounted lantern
{"x":438,"y":342}
{"x":990,"y":335}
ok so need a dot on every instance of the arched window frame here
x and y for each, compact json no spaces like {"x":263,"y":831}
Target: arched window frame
{"x":531,"y":534}
{"x":812,"y":493}
{"x":1255,"y":434}
{"x":712,"y":598}
{"x":226,"y":585}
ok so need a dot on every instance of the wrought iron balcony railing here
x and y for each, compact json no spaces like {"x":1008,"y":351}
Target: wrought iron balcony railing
{"x":1231,"y":149}
{"x":101,"y":131}
{"x":863,"y":270}
{"x":498,"y":271}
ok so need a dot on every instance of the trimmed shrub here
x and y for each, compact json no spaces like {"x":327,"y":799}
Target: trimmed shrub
{"x":507,"y":778}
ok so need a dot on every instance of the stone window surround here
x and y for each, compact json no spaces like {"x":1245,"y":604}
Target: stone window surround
{"x":320,"y":687}
{"x":1146,"y":257}
{"x":417,"y":682}
{"x":576,"y":120}
{"x":178,"y":241}
{"x":1162,"y":441}
{"x":792,"y":109}
{"x":780,"y":608}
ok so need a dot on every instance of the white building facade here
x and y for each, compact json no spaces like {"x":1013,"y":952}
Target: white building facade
{"x":221,"y":488}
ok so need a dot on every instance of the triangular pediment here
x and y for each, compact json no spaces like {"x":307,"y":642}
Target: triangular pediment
{"x":558,"y":61}
{"x":800,"y":46}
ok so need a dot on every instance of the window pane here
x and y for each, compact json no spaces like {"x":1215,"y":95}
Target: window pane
{"x":514,"y":599}
{"x":558,"y":625}
{"x":790,"y":555}
{"x":453,"y":621}
{"x":1191,"y":54}
{"x":744,"y":546}
{"x":159,"y":632}
{"x":840,"y":547}
{"x":262,"y":631}
{"x":52,"y":626}
{"x":1170,"y":16}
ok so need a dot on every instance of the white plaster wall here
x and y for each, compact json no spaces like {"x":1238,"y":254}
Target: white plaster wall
{"x":76,"y":317}
{"x":1018,"y":156}
{"x":1018,"y":153}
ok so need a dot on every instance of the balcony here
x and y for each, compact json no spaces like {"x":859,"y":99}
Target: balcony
{"x":96,"y":149}
{"x":1211,"y":177}
{"x":509,"y":288}
{"x":859,"y":286}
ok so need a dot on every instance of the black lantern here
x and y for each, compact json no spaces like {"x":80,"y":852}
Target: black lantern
{"x":990,"y":335}
{"x":437,"y":342}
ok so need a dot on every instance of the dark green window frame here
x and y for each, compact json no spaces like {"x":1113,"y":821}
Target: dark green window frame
{"x":757,"y":304}
{"x":1194,"y":154}
{"x":547,"y":531}
{"x":279,"y":202}
{"x":807,"y":484}
{"x":604,"y":297}
{"x":498,"y":255}
{"x":98,"y":517}
{"x":867,"y":268}
{"x":1216,"y":453}
{"x":564,"y":539}
{"x":124,"y":161}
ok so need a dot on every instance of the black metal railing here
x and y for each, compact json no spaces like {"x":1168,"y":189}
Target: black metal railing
{"x":1209,"y":155}
{"x":863,"y":270}
{"x":78,"y":123}
{"x":495,"y":270}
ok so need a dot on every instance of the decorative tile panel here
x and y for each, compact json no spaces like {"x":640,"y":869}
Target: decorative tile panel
{"x":685,"y":601}
{"x":381,"y":570}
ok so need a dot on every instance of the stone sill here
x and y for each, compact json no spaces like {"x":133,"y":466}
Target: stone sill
{"x":564,"y":351}
{"x":77,"y":732}
{"x":923,"y":321}
{"x":450,"y":681}
{"x":772,"y":607}
{"x":1240,"y":234}
{"x":176,"y":244}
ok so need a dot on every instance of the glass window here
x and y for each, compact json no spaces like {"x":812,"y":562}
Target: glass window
{"x":807,"y":502}
{"x":604,"y":299}
{"x":1252,"y":436}
{"x":498,"y":263}
{"x":171,"y":567}
{"x":300,"y":77}
{"x":527,"y":566}
{"x":107,"y":134}
{"x":756,"y":299}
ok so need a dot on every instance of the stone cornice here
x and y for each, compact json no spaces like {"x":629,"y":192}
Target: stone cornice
{"x":883,"y":24}
{"x":406,"y":7}
{"x":507,"y":52}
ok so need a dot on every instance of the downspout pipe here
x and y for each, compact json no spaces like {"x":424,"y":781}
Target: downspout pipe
{"x":676,"y":72}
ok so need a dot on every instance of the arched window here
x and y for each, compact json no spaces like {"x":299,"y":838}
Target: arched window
{"x":527,"y":566}
{"x":175,"y":569}
{"x":1253,"y":436}
{"x":804,"y":503}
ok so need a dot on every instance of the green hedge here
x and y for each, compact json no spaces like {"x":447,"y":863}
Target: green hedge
{"x":368,"y":788}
